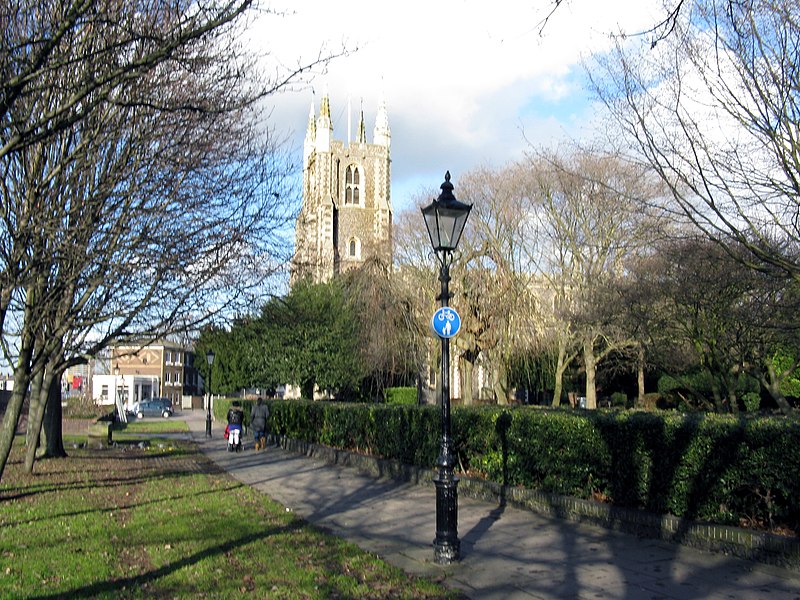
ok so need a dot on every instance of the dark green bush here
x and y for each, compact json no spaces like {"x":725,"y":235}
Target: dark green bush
{"x":751,"y":401}
{"x":406,"y":433}
{"x":619,"y":400}
{"x":705,"y":467}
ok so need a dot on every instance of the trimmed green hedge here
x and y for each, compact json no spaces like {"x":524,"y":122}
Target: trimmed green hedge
{"x":713,"y":468}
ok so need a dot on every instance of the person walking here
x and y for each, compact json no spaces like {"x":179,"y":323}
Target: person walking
{"x":235,"y":423}
{"x":258,"y":421}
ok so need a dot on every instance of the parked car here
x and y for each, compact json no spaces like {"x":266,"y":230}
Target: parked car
{"x":153,"y":407}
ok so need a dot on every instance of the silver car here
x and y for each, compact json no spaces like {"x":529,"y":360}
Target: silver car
{"x":154,"y":407}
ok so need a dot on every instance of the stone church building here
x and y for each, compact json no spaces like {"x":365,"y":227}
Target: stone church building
{"x":346,"y":215}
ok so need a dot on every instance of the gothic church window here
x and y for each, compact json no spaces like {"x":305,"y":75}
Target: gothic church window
{"x":352,"y":185}
{"x":353,"y":248}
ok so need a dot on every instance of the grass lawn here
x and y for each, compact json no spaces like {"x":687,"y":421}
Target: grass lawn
{"x":165,"y":522}
{"x":138,"y":427}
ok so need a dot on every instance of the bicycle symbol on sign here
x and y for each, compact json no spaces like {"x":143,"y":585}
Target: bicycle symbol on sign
{"x":446,"y":322}
{"x":447,"y":314}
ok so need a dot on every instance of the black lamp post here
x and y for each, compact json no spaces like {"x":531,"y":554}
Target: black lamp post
{"x":445,"y":218}
{"x":117,"y":415}
{"x":210,"y":360}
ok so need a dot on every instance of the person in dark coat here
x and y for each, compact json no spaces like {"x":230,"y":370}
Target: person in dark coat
{"x":258,"y":421}
{"x":235,"y":424}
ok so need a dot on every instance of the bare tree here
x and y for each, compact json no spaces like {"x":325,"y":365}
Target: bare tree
{"x":142,"y":193}
{"x":545,"y":238}
{"x":662,"y":27}
{"x":588,"y":215}
{"x":490,"y":287}
{"x":714,"y":110}
{"x":392,"y":336}
{"x":416,"y":276}
{"x":499,"y":300}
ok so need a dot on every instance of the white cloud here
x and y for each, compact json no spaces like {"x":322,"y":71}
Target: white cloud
{"x":462,"y":79}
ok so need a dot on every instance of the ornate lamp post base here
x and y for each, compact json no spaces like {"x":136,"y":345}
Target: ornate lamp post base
{"x":446,"y":546}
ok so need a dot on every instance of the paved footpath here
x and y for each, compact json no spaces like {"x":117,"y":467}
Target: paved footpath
{"x":506,"y":553}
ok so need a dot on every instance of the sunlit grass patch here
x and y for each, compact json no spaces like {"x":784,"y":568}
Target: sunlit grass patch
{"x":151,"y":426}
{"x":131,"y":522}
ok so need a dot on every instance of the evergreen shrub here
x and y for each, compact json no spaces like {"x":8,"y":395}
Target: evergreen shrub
{"x":619,"y":400}
{"x":716,"y":468}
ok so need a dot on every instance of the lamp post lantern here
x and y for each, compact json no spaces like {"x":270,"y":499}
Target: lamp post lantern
{"x":445,"y":218}
{"x":210,"y":361}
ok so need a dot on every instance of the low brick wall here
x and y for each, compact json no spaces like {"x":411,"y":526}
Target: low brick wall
{"x":75,"y":426}
{"x":750,"y":544}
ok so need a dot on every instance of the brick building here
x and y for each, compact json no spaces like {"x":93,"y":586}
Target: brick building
{"x":159,"y":369}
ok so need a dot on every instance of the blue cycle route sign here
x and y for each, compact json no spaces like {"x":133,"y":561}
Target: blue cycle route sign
{"x":446,"y":322}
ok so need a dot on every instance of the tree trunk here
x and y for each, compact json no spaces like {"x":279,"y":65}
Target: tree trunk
{"x":717,"y":394}
{"x":54,"y":438}
{"x":772,"y":383}
{"x":14,"y":408}
{"x":590,"y":364}
{"x":47,"y":392}
{"x":467,"y":391}
{"x":500,"y":384}
{"x":733,"y":401}
{"x":10,"y":421}
{"x":561,"y":366}
{"x":307,"y":389}
{"x":640,"y":376}
{"x":730,"y":378}
{"x":40,"y":391}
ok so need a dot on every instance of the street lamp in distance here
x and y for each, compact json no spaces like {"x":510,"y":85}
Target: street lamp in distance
{"x":210,"y":361}
{"x":445,"y":219}
{"x":118,"y":416}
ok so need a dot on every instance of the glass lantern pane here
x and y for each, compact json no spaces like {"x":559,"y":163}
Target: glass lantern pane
{"x":447,"y":225}
{"x":431,"y":224}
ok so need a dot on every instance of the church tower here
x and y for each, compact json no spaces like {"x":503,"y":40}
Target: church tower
{"x":346,"y":216}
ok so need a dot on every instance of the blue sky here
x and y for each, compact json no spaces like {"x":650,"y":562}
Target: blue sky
{"x":466,"y":83}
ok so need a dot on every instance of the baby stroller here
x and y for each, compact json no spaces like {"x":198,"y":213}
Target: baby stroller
{"x":233,"y":434}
